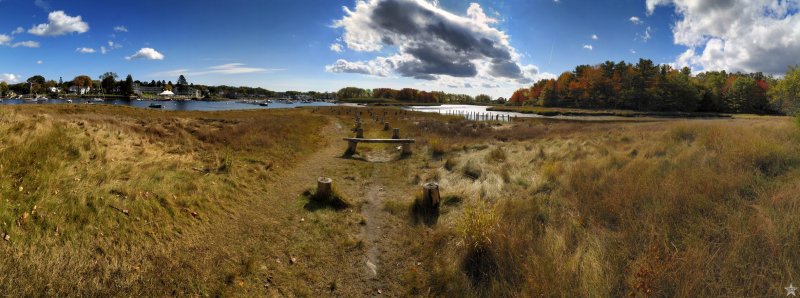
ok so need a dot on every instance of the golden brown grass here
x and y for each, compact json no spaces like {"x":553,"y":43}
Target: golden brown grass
{"x":96,"y":200}
{"x":105,"y":201}
{"x":678,"y":208}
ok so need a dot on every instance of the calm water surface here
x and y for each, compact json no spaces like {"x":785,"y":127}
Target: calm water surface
{"x":480,"y":113}
{"x":191,"y":105}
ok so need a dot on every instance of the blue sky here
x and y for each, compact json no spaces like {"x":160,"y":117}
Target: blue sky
{"x":286,"y":44}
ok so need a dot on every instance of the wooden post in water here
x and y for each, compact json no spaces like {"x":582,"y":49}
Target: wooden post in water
{"x":430,"y":195}
{"x":386,"y":126}
{"x":360,"y":133}
{"x":395,"y":133}
{"x":324,"y":188}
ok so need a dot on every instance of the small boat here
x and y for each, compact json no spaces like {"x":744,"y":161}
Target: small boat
{"x":264,"y":104}
{"x":155,"y":106}
{"x":69,"y":100}
{"x":97,"y":100}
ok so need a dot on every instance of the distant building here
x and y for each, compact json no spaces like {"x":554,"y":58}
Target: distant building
{"x":79,"y":90}
{"x":138,"y":89}
{"x":187,"y":92}
{"x":54,"y":90}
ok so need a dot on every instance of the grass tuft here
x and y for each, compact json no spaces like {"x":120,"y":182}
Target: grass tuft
{"x":472,"y":170}
{"x":437,"y":147}
{"x":797,"y":120}
{"x":450,"y":164}
{"x":497,"y":155}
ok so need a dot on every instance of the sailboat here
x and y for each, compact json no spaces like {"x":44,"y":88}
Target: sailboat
{"x":102,"y":97}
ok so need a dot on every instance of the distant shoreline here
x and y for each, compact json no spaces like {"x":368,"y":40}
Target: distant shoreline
{"x":543,"y":111}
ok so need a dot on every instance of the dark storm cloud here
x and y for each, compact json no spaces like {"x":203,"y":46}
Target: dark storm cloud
{"x":430,"y":41}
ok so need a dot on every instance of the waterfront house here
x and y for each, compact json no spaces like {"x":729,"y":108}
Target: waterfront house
{"x":138,"y":89}
{"x":79,"y":90}
{"x":188,"y":92}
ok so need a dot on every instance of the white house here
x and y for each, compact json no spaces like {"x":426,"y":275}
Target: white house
{"x":79,"y":90}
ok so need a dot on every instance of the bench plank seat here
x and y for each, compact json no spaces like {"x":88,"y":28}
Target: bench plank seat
{"x":353,"y":142}
{"x":389,"y":141}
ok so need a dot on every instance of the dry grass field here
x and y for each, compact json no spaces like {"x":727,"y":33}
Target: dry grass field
{"x":114,"y":201}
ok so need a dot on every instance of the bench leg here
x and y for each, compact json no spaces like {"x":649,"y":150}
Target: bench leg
{"x":406,"y":148}
{"x":351,"y":148}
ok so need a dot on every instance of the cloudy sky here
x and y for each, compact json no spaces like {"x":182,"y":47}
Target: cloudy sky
{"x":490,"y":46}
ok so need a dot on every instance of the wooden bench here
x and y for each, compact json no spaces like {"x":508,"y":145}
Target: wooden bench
{"x":353,"y":142}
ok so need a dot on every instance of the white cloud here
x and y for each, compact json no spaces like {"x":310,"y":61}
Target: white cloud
{"x":651,"y":5}
{"x":9,"y":78}
{"x":336,"y":47}
{"x":42,"y":4}
{"x":39,"y":62}
{"x":224,"y":69}
{"x":4,"y":39}
{"x":429,"y":43}
{"x":635,"y":20}
{"x":633,"y":51}
{"x":588,"y":47}
{"x":735,"y":35}
{"x":646,"y":35}
{"x":85,"y":50}
{"x":146,"y":53}
{"x":120,"y":29}
{"x":27,"y":44}
{"x":475,"y":12}
{"x":60,"y":24}
{"x":380,"y":67}
{"x":594,"y":37}
{"x":111,"y":46}
{"x":236,"y":68}
{"x":18,"y":31}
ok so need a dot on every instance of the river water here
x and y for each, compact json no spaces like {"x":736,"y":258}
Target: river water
{"x":471,"y":112}
{"x":480,"y":113}
{"x":190,"y":105}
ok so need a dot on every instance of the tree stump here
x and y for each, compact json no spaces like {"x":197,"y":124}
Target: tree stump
{"x":351,"y":148}
{"x":360,"y":133}
{"x":324,"y":188}
{"x":430,"y":195}
{"x":406,"y":148}
{"x":395,"y":133}
{"x":386,"y":126}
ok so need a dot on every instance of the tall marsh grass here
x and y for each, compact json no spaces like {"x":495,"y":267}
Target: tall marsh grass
{"x":94,"y":200}
{"x":701,"y":209}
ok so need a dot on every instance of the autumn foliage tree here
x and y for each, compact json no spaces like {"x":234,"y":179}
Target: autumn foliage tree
{"x":651,"y":87}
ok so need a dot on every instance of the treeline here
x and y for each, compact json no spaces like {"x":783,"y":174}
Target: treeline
{"x":411,"y":95}
{"x":650,"y":87}
{"x":109,"y":83}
